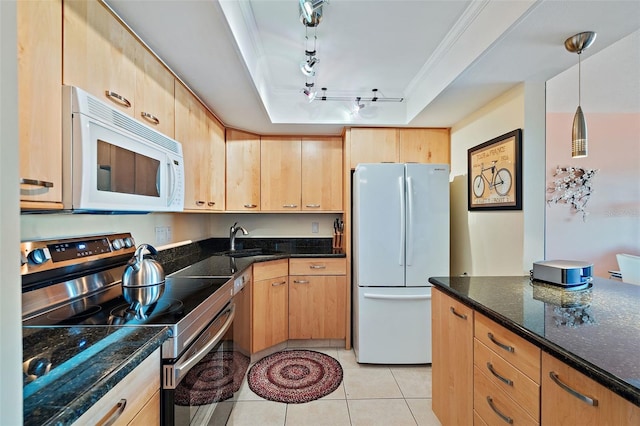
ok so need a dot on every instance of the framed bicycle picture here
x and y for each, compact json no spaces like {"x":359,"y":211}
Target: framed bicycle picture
{"x":495,"y":173}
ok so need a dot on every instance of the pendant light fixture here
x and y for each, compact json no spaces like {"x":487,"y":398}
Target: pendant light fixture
{"x":576,"y":44}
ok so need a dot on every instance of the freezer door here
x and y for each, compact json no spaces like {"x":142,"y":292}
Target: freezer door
{"x":427,"y":250}
{"x":378,"y":225}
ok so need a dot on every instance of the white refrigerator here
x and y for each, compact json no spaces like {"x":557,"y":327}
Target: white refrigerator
{"x":400,"y":239}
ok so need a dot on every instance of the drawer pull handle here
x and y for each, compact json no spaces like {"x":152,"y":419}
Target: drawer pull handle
{"x":150,"y":117}
{"x":211,"y":203}
{"x":591,"y":401}
{"x":301,"y":281}
{"x":115,"y":412}
{"x":317,"y":267}
{"x":313,"y":206}
{"x":199,"y":203}
{"x":495,"y":410}
{"x":250,"y":206}
{"x":278,"y":283}
{"x":502,"y":345}
{"x":119,"y":99}
{"x":501,"y":378}
{"x":290,"y":206}
{"x":453,"y":311}
{"x":36,"y":182}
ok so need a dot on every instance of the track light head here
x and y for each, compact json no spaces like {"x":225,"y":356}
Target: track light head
{"x":309,"y":92}
{"x":307,"y":66}
{"x":311,"y":12}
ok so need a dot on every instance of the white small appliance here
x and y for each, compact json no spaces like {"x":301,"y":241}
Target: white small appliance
{"x":400,"y":239}
{"x":113,"y":163}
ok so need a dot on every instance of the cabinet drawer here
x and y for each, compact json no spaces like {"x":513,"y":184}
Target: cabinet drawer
{"x":521,"y":354}
{"x":494,"y":406}
{"x":135,"y":389}
{"x":271,"y":269}
{"x":318,"y":266}
{"x":524,"y":391}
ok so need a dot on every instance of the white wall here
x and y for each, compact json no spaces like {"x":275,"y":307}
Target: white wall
{"x":493,"y":242}
{"x":10,"y":304}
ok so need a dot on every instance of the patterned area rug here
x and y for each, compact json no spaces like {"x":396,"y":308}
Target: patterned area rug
{"x":215,"y":378}
{"x":295,"y":376}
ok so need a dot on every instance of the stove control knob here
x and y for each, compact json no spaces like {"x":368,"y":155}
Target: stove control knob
{"x":39,"y":255}
{"x":128,"y":242}
{"x":117,"y":244}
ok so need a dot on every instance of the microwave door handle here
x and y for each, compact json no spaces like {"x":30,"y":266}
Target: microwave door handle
{"x":172,"y":182}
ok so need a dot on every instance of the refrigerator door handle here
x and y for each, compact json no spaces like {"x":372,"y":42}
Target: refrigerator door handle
{"x":409,"y":221}
{"x":402,"y":220}
{"x":397,"y":297}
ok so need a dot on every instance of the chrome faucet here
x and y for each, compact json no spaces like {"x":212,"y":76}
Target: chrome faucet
{"x":232,"y":235}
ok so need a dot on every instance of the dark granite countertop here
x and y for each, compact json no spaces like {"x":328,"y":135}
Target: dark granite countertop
{"x":90,"y":361}
{"x":595,"y":330}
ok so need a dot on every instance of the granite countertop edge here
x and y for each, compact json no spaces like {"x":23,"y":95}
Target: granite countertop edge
{"x":601,"y":376}
{"x":86,"y":400}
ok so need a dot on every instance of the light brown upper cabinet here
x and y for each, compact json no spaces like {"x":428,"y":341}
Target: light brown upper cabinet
{"x":392,"y":145}
{"x":39,"y":26}
{"x":322,"y":174}
{"x":154,"y":101}
{"x":424,"y":146}
{"x":243,"y":171}
{"x":99,"y":54}
{"x":202,"y":138}
{"x":280,"y":166}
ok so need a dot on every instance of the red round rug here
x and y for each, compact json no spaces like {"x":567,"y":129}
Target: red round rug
{"x":295,"y":376}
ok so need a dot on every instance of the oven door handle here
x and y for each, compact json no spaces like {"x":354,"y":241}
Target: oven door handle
{"x":182,"y":368}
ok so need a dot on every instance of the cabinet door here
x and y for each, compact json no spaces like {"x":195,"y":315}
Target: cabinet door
{"x":243,"y":171}
{"x":322,"y":174}
{"x":571,"y":398}
{"x":242,"y":321}
{"x":424,"y":146}
{"x":154,"y":104}
{"x":280,"y":183}
{"x":452,"y":365}
{"x":216,"y":183}
{"x":373,"y":146}
{"x":99,"y":54}
{"x":317,"y":306}
{"x":150,"y":413}
{"x":39,"y":26}
{"x":270,"y":307}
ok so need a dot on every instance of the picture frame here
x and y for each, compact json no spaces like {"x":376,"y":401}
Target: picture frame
{"x":494,"y":173}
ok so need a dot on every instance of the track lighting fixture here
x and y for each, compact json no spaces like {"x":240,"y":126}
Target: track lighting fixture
{"x":307,"y":65}
{"x":311,"y":11}
{"x":309,"y":91}
{"x":358,"y":99}
{"x":357,"y":106}
{"x":576,"y":44}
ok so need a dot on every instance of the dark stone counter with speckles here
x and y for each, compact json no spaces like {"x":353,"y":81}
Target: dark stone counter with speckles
{"x":89,"y":361}
{"x":595,"y":330}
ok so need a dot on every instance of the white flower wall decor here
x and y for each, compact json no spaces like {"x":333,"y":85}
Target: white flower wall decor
{"x":572,"y":185}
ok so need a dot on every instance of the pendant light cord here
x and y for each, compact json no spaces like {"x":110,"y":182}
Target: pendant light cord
{"x":579,"y":79}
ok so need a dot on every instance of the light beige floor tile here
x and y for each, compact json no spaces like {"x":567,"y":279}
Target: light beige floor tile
{"x":339,"y":393}
{"x":370,"y":383}
{"x":347,"y":359}
{"x":372,"y":412}
{"x":414,"y":382}
{"x":264,"y":413}
{"x":246,"y":394}
{"x":318,"y":413}
{"x":422,"y":412}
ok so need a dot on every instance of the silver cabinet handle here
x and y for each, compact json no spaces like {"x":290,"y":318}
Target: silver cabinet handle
{"x":118,"y":98}
{"x":115,"y":413}
{"x":501,"y":378}
{"x":495,"y":410}
{"x":301,"y":281}
{"x":317,"y":267}
{"x":502,"y":345}
{"x":250,"y":206}
{"x":150,"y":117}
{"x":199,"y":203}
{"x":591,"y":401}
{"x":289,"y":206}
{"x":211,"y":203}
{"x":36,"y":182}
{"x":312,"y":206}
{"x":278,"y":283}
{"x":453,"y":311}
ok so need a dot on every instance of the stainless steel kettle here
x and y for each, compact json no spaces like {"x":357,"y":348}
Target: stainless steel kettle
{"x":143,"y":281}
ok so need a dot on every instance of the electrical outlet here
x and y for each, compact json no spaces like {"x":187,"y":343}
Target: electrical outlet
{"x":315,"y":227}
{"x":161,"y":235}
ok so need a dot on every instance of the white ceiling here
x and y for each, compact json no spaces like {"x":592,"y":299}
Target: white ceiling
{"x":445,"y":58}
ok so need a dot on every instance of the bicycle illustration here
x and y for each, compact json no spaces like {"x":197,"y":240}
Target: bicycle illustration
{"x":499,"y":180}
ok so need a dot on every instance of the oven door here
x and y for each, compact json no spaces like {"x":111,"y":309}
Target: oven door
{"x":200,"y":386}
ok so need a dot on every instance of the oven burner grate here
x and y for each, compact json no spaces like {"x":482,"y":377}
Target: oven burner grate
{"x":126,"y":312}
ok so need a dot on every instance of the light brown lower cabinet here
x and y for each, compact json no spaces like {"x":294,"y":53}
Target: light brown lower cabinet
{"x":571,"y":398}
{"x":138,"y":394}
{"x":270,"y":306}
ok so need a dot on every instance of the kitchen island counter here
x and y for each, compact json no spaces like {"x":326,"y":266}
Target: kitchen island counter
{"x":595,"y":330}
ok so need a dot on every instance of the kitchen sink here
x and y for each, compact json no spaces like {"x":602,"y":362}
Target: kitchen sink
{"x":248,"y":252}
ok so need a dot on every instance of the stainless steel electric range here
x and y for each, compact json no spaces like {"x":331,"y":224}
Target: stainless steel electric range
{"x":76,"y":282}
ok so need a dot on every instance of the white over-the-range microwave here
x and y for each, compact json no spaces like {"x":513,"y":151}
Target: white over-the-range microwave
{"x":113,"y":163}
